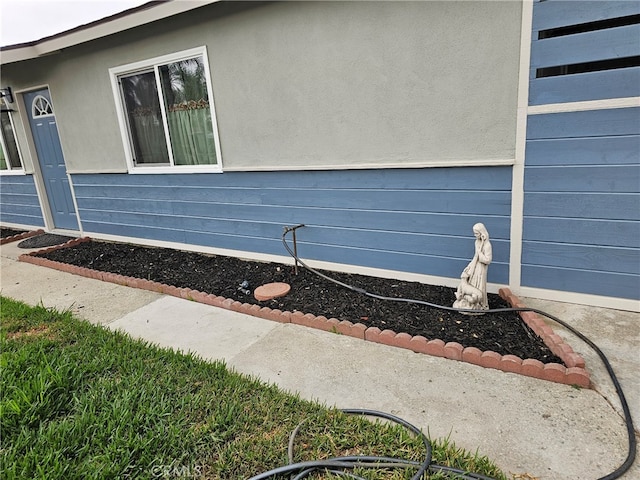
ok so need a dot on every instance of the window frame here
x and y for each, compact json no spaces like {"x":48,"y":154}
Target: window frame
{"x":10,"y":170}
{"x":153,"y":64}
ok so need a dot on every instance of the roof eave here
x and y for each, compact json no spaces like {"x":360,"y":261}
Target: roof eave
{"x":147,"y":13}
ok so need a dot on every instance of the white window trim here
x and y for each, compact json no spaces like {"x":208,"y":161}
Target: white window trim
{"x":587,"y":105}
{"x":116,"y":72}
{"x":11,"y":170}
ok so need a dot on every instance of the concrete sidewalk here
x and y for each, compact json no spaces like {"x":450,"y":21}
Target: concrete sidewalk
{"x":525,"y":425}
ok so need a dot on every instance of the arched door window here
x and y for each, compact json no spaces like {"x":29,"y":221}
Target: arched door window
{"x":41,"y":107}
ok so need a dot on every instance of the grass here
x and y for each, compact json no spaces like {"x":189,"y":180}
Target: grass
{"x":78,"y":401}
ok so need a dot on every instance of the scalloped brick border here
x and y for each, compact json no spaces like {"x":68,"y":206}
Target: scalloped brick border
{"x":573,"y":373}
{"x":21,"y":236}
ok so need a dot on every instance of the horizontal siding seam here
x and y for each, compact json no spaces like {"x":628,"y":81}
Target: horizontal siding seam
{"x":583,"y":219}
{"x":395,"y":252}
{"x":577,"y":137}
{"x":586,"y":165}
{"x":288,"y":207}
{"x":7,"y":206}
{"x":574,"y":244}
{"x":302,"y":189}
{"x":293,"y":207}
{"x":181,"y":230}
{"x":278,"y":224}
{"x":579,"y":192}
{"x":562,"y":139}
{"x":588,"y":270}
{"x":21,"y":215}
{"x":399,"y":232}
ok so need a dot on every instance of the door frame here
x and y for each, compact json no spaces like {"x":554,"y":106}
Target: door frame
{"x":31,"y":163}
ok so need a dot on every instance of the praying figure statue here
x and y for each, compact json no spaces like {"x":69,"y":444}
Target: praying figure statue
{"x":472,"y":292}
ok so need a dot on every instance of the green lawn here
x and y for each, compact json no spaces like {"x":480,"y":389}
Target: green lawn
{"x":78,"y":401}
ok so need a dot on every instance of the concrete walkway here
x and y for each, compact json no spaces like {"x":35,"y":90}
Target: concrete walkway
{"x":544,"y":429}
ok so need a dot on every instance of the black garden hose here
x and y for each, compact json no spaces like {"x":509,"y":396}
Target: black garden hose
{"x":343,"y":465}
{"x":632,"y":442}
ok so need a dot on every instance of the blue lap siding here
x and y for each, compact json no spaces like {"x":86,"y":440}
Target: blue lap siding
{"x":581,"y":230}
{"x":413,"y":220}
{"x":588,"y":46}
{"x":582,"y":213}
{"x":19,"y":200}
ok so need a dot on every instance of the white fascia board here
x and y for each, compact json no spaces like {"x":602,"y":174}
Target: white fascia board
{"x":18,"y":54}
{"x":99,"y":29}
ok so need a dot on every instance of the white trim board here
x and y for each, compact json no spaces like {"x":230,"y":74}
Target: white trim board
{"x":579,"y":298}
{"x":606,"y":104}
{"x":285,"y":168}
{"x":378,"y":166}
{"x":21,"y":226}
{"x":15,"y":171}
{"x":517,"y":174}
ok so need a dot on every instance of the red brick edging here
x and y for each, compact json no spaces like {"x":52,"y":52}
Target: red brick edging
{"x":574,"y":373}
{"x":21,"y":236}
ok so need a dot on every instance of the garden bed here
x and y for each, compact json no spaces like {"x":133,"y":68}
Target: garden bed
{"x":520,"y":343}
{"x":8,"y":235}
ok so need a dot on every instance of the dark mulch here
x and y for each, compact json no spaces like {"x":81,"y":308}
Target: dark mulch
{"x":44,"y":240}
{"x":504,"y":333}
{"x":10,"y":232}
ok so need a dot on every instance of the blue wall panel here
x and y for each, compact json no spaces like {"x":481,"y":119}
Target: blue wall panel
{"x":581,"y":225}
{"x":625,"y":207}
{"x":590,"y":123}
{"x":619,"y":83}
{"x":553,"y":14}
{"x":582,"y":281}
{"x":606,"y":233}
{"x":608,"y":150}
{"x":582,"y":257}
{"x":618,"y":42}
{"x":19,"y":202}
{"x":583,"y":179}
{"x":581,"y":44}
{"x":415,"y":220}
{"x":582,"y":202}
{"x":406,"y":221}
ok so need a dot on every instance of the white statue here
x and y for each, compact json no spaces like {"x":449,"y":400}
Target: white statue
{"x":472,"y":292}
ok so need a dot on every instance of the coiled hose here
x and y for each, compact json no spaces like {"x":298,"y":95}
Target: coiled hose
{"x":340,"y":466}
{"x":343,"y":465}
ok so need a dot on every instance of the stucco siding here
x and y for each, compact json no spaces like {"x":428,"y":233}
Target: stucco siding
{"x":411,"y":220}
{"x":369,"y":84}
{"x":312,"y":84}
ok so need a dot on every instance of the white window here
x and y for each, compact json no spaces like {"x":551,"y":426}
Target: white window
{"x":166,"y":112}
{"x":41,"y":107}
{"x":10,"y":160}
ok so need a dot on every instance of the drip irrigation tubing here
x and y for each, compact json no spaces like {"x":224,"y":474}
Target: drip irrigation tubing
{"x":632,"y":443}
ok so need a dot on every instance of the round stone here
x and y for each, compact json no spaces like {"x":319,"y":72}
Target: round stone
{"x":270,"y":291}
